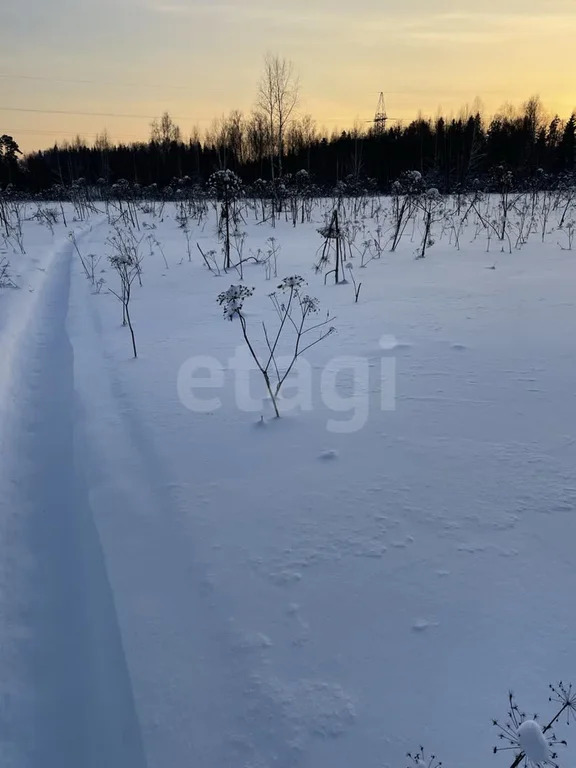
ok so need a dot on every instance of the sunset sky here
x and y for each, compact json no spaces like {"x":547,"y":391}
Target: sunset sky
{"x":130,"y":60}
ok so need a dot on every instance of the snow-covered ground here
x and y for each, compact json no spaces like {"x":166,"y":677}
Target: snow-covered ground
{"x":184,"y":583}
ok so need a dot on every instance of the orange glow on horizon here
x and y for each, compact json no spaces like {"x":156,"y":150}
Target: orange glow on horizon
{"x":199,"y":59}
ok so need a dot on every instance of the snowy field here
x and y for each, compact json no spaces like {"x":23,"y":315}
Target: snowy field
{"x":187,"y":581}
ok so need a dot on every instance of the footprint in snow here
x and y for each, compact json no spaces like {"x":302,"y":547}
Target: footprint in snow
{"x":328,"y":455}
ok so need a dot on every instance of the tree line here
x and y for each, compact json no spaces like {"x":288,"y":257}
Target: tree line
{"x":273,"y":142}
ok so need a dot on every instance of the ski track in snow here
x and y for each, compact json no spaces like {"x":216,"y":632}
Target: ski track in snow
{"x":67,"y":700}
{"x":180,"y":589}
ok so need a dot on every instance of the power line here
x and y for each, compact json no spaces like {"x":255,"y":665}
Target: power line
{"x":42,"y":132}
{"x":128,"y":116}
{"x":94,"y":114}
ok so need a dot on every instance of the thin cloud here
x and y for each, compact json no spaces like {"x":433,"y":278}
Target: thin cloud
{"x":363,"y":27}
{"x":228,"y":12}
{"x":468,"y":28}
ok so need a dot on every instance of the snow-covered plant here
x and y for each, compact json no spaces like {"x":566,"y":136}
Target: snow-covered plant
{"x":421,"y":760}
{"x":524,"y":222}
{"x":126,"y":245}
{"x":99,"y":284}
{"x":567,"y":196}
{"x":493,"y":225}
{"x":405,"y":192}
{"x":534,"y":744}
{"x":16,"y":217}
{"x":92,"y":261}
{"x":83,"y":260}
{"x":261,"y":190}
{"x":295,"y":311}
{"x":5,"y":277}
{"x":298,"y":188}
{"x":271,"y":261}
{"x":546,"y":200}
{"x":232,"y":300}
{"x":333,"y":242}
{"x":357,"y":286}
{"x":210,"y":260}
{"x":569,"y":230}
{"x":431,"y":204}
{"x":565,"y":697}
{"x":153,"y":242}
{"x":226,"y":187}
{"x":238,"y":241}
{"x":369,"y":252}
{"x":46,"y":216}
{"x":128,"y":268}
{"x":503,"y":180}
{"x":186,"y":231}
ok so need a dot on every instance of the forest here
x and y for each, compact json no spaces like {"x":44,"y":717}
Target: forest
{"x":450,"y":153}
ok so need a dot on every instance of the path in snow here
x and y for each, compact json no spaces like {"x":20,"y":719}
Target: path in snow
{"x":72,"y":697}
{"x":67,"y":699}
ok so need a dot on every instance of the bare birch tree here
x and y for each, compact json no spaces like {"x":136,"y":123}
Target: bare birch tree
{"x":165,"y":131}
{"x":278,"y":93}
